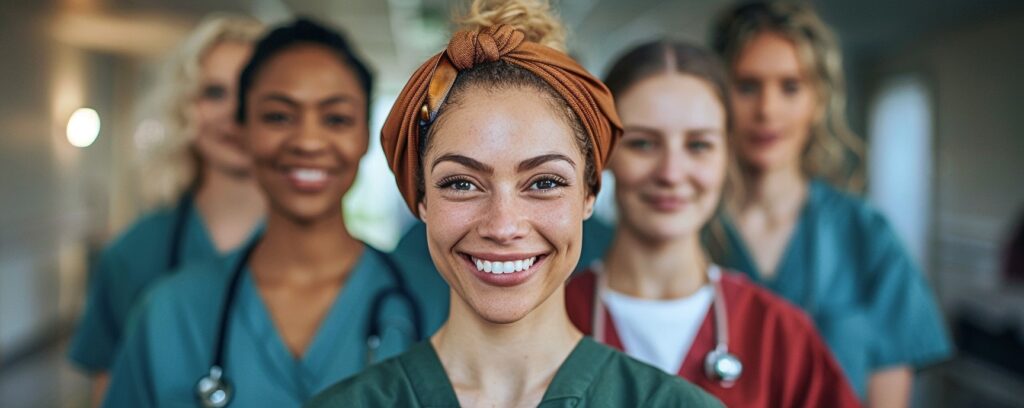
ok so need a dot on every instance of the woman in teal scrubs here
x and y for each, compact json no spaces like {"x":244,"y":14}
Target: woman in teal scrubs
{"x":791,"y":230}
{"x":308,"y":304}
{"x":497,"y":144}
{"x":219,"y":211}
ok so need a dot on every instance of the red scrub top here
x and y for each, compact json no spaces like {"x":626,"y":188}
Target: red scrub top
{"x":785,"y":362}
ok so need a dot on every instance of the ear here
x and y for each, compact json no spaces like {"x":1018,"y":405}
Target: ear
{"x":422,"y":206}
{"x":588,"y":206}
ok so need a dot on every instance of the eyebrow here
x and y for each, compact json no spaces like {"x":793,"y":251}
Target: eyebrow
{"x":539,"y":160}
{"x":463,"y":160}
{"x":524,"y":165}
{"x":638,"y":128}
{"x":278,"y":97}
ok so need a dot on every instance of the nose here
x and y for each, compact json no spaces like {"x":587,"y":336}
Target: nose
{"x":308,"y":139}
{"x":503,"y":222}
{"x":768,"y":103}
{"x":672,"y":166}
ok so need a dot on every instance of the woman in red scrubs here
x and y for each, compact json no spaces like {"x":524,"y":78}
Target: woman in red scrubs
{"x":656,"y":295}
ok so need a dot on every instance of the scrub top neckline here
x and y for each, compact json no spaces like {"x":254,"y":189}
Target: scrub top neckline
{"x":311,"y":365}
{"x":197,"y":232}
{"x":739,"y":245}
{"x":203,"y":235}
{"x":571,"y":380}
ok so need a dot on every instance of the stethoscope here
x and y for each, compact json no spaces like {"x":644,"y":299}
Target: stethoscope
{"x":214,"y":390}
{"x":719,"y":364}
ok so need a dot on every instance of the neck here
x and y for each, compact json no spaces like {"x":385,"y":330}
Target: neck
{"x":655,"y":270}
{"x":510,"y":363}
{"x":230,"y":205}
{"x":305,"y":253}
{"x":776,"y":191}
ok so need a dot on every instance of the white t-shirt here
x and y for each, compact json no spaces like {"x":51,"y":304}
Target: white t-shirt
{"x":658,"y":332}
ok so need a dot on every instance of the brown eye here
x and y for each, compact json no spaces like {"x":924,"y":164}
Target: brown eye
{"x":791,"y":86}
{"x":747,"y":87}
{"x":214,"y":92}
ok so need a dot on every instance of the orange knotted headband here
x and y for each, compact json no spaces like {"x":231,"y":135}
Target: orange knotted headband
{"x":423,"y":95}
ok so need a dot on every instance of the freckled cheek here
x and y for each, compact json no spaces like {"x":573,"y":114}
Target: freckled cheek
{"x":448,"y":221}
{"x":558,"y":221}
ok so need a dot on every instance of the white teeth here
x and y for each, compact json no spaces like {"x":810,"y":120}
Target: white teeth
{"x":309,"y":175}
{"x":500,"y":267}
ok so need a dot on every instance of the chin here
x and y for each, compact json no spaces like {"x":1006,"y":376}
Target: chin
{"x":508,"y":310}
{"x":309,"y":213}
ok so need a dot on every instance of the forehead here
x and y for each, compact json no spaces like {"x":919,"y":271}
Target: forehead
{"x":676,"y":101}
{"x":225,"y":58}
{"x":309,"y":71}
{"x":768,"y":54}
{"x":506,"y":125}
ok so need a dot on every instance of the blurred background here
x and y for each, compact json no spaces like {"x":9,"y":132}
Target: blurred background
{"x":935,"y":87}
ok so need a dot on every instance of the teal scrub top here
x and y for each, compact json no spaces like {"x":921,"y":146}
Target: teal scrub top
{"x":845,"y":266}
{"x":592,"y":376}
{"x":172,"y":336}
{"x":414,"y":256}
{"x":125,"y":268}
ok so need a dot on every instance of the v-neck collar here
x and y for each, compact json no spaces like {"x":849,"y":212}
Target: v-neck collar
{"x":572,"y":380}
{"x":307,"y":371}
{"x":743,"y":259}
{"x":198,"y":232}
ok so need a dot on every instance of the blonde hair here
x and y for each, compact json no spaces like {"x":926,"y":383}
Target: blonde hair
{"x":834,"y":152}
{"x":171,"y":166}
{"x":535,"y":18}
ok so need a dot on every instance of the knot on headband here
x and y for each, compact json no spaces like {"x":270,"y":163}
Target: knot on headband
{"x":470,"y":48}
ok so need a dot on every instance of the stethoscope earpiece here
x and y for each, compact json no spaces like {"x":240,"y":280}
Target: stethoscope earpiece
{"x":213,"y":390}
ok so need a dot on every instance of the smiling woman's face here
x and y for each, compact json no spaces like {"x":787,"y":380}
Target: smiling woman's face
{"x":504,"y":202}
{"x":307,"y":130}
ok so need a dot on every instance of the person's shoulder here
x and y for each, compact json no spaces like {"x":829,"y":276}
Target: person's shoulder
{"x":196,"y":285}
{"x":771,"y":309}
{"x":652,"y":386}
{"x":841,"y":205}
{"x":382,"y":384}
{"x":151,"y":228}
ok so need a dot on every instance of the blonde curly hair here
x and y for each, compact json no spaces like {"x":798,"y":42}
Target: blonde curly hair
{"x":170,"y":166}
{"x":535,"y":18}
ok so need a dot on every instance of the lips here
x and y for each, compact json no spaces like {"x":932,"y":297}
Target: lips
{"x":665,"y":203}
{"x":504,"y":270}
{"x":763,"y":138}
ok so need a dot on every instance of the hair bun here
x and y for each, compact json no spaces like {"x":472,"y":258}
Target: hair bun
{"x":534,"y":18}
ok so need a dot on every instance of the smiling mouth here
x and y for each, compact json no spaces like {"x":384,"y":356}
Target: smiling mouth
{"x":307,"y":179}
{"x":502,"y":267}
{"x":505,"y":271}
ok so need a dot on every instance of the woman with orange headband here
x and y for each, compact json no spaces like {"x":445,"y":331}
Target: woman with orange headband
{"x":497,"y":144}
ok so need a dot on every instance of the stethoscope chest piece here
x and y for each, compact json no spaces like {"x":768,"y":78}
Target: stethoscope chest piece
{"x":721,"y":365}
{"x":213,"y":390}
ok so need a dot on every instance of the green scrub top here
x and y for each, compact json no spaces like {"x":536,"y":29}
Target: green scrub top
{"x":845,"y":266}
{"x":125,"y":268}
{"x":172,"y":337}
{"x":592,"y":376}
{"x":414,"y":257}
